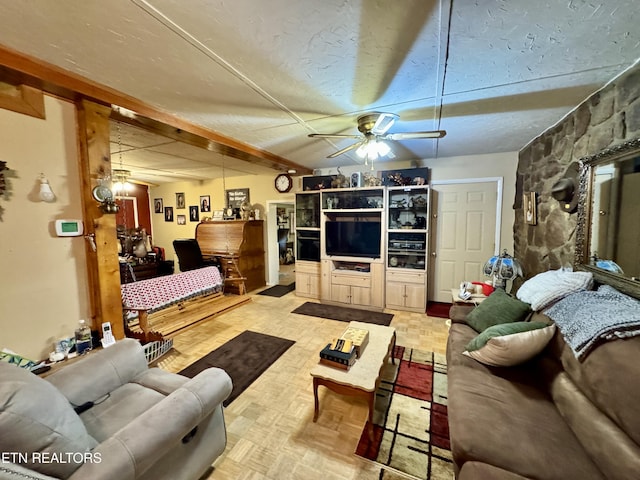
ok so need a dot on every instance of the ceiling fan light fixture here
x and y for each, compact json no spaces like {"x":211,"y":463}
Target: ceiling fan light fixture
{"x":384,"y":122}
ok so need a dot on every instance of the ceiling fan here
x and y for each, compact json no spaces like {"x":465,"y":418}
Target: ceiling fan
{"x":373,"y":129}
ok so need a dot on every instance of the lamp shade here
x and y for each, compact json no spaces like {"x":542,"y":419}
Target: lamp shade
{"x":501,"y":268}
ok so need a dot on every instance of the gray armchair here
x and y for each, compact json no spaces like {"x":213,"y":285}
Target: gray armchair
{"x":109,"y":416}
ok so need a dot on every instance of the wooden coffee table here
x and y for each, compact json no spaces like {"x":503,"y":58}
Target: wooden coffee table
{"x":362,"y":379}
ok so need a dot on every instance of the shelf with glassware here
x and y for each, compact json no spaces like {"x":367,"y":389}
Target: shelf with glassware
{"x":307,"y":214}
{"x":352,"y":247}
{"x":407,"y":240}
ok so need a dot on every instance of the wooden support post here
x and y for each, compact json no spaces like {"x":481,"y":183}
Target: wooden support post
{"x":102,"y":263}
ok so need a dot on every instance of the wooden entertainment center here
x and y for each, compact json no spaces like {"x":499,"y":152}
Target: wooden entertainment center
{"x":364,"y":247}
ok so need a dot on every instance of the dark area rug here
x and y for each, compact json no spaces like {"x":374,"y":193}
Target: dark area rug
{"x":343,"y":314}
{"x":244,"y":358}
{"x":278,"y":290}
{"x":410,"y":423}
{"x":438,"y":309}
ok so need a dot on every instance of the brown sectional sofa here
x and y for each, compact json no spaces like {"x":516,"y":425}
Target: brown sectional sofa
{"x":551,"y":418}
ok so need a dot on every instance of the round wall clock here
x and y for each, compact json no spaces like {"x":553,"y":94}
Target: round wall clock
{"x":283,"y":182}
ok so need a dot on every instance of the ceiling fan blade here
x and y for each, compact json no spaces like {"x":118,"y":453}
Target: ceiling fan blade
{"x":412,"y":135}
{"x":332,"y":135}
{"x":384,"y":123}
{"x":345,"y":150}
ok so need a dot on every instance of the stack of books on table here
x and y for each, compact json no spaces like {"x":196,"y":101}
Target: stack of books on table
{"x":339,"y":353}
{"x":359,"y":337}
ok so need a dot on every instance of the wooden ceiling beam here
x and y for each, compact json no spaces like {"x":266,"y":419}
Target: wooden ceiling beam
{"x":18,"y":68}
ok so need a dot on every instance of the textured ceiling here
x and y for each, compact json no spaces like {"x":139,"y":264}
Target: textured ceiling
{"x":493,"y":74}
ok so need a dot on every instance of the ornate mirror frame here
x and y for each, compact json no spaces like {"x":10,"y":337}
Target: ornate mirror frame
{"x":585,"y":215}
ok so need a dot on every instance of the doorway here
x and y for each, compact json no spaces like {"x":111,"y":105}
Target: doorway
{"x":465,"y":232}
{"x":281,"y":242}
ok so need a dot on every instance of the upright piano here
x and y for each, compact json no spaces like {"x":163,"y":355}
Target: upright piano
{"x":237,"y":241}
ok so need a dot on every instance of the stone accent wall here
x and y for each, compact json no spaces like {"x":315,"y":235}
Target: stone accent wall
{"x":609,"y":117}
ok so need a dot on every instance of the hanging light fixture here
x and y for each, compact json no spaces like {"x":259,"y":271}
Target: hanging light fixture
{"x":46,"y":194}
{"x":120,"y":182}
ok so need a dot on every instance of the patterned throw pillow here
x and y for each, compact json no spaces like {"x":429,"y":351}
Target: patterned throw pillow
{"x":510,"y":344}
{"x":499,"y":307}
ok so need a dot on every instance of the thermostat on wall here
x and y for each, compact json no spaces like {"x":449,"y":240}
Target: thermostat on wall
{"x":69,"y":228}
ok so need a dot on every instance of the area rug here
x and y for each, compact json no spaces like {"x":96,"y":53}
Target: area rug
{"x":411,"y":430}
{"x":244,"y":358}
{"x":438,"y":309}
{"x":278,"y":290}
{"x":343,"y":314}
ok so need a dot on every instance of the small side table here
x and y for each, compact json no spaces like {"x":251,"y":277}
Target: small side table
{"x":475,"y":299}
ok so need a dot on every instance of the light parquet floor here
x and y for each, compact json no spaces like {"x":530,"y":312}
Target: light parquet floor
{"x":271,"y":434}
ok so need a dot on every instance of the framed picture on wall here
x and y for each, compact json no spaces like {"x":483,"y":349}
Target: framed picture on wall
{"x":205,"y":203}
{"x":180,"y":203}
{"x":157,"y":205}
{"x":168,"y":214}
{"x":181,"y":219}
{"x":194,"y":215}
{"x":529,"y":208}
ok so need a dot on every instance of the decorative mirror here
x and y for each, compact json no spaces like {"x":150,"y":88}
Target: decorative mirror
{"x":608,"y":228}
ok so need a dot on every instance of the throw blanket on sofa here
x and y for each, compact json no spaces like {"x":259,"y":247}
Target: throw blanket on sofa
{"x":586,"y":317}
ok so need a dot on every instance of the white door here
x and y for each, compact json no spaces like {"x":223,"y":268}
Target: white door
{"x":463,"y":234}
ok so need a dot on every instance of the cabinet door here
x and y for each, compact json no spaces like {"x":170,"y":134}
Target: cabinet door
{"x":341,"y":293}
{"x":395,"y":295}
{"x":314,"y":285}
{"x":415,"y":297}
{"x":302,"y":284}
{"x":361,"y":296}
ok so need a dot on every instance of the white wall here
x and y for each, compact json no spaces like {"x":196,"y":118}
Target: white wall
{"x":43,"y":280}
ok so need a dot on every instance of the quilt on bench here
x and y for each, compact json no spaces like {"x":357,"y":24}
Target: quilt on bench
{"x":157,"y":293}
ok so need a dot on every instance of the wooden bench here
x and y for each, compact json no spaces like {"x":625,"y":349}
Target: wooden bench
{"x":161,"y":307}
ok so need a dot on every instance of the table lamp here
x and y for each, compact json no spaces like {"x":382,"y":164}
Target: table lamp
{"x":502,"y":268}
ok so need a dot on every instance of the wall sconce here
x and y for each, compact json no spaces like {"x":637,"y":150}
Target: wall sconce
{"x":565,"y":190}
{"x":502,"y":268}
{"x":46,"y":194}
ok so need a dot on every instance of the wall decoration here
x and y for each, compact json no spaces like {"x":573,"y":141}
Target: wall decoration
{"x":157,"y":205}
{"x":168,"y":214}
{"x":181,"y":219}
{"x":236,"y":196}
{"x":205,"y":203}
{"x":194,"y":215}
{"x":180,"y":202}
{"x":529,"y":208}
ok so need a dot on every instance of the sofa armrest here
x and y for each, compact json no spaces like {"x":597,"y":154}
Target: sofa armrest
{"x":136,"y":447}
{"x":100,"y":372}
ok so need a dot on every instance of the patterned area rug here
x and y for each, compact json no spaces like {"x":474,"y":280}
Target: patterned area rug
{"x":411,"y":430}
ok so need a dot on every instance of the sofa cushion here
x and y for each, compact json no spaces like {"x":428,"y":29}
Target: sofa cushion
{"x":118,"y":409}
{"x":36,"y":418}
{"x":510,"y":344}
{"x":550,"y":286}
{"x":513,"y":426}
{"x":499,"y":307}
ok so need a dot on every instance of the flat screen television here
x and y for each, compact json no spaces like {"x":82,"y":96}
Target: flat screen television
{"x":353,"y":239}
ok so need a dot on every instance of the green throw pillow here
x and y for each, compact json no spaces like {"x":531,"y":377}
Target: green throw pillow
{"x":497,"y":308}
{"x":510,"y":343}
